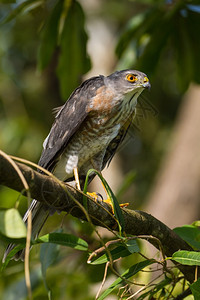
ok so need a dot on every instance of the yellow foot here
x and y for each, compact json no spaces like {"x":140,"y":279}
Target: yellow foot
{"x":108,"y":201}
{"x":124,"y":204}
{"x":95,"y":196}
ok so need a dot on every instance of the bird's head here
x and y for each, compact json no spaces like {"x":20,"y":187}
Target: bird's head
{"x":127,"y":85}
{"x":127,"y":81}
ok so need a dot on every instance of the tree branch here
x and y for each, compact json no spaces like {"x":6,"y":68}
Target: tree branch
{"x":48,"y":191}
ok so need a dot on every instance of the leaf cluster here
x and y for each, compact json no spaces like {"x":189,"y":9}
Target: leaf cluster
{"x":62,"y":33}
{"x":164,"y":31}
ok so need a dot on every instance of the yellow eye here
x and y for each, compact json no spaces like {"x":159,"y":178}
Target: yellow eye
{"x":131,"y":78}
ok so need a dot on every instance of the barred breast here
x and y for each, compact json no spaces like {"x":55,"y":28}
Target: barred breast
{"x":88,"y":142}
{"x":92,"y":139}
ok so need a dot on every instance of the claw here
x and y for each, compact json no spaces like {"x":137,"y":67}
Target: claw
{"x":95,"y":195}
{"x":108,"y":201}
{"x":124,"y":204}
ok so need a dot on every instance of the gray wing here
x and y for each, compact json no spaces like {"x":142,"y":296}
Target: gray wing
{"x":67,"y":121}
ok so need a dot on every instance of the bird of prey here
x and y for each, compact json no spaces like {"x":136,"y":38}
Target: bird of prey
{"x":87,"y":131}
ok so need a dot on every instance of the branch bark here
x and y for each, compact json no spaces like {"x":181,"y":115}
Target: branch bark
{"x":47,"y":190}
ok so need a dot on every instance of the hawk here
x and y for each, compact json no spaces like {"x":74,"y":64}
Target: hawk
{"x":87,"y":131}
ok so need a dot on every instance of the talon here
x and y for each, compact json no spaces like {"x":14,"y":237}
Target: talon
{"x":95,"y":196}
{"x":100,"y":196}
{"x":124,"y":204}
{"x":108,"y":201}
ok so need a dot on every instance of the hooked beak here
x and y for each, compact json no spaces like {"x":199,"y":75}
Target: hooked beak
{"x":146,"y":83}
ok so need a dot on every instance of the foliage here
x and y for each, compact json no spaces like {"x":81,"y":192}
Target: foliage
{"x":118,"y":248}
{"x":158,"y":37}
{"x":147,"y":40}
{"x":64,"y":27}
{"x":116,"y":208}
{"x":11,"y":224}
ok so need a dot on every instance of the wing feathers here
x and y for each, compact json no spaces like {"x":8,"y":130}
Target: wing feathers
{"x":67,"y":121}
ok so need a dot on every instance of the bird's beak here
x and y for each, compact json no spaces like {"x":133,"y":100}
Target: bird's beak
{"x":146,"y":83}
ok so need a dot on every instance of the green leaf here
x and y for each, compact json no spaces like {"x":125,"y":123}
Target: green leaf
{"x":11,"y":254}
{"x":115,"y":204}
{"x":126,"y":275}
{"x":8,"y":1}
{"x":196,"y":223}
{"x":56,"y":238}
{"x":151,"y":50}
{"x":26,"y":5}
{"x":49,"y":37}
{"x":11,"y":224}
{"x":73,"y":59}
{"x":132,"y":27}
{"x":190,"y":234}
{"x":195,"y":288}
{"x":137,"y":36}
{"x":190,"y":258}
{"x":159,"y":286}
{"x":64,"y":239}
{"x":116,"y":253}
{"x":183,"y":46}
{"x":193,"y":22}
{"x":132,"y":246}
{"x":48,"y":255}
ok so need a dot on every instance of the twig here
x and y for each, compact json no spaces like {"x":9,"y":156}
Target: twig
{"x":144,"y":287}
{"x":29,"y":225}
{"x":103,"y":281}
{"x":99,"y":250}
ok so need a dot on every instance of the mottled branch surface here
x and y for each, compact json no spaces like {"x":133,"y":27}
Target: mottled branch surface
{"x":47,"y":190}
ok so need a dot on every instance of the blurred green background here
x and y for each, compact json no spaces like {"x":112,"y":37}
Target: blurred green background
{"x":46,"y":49}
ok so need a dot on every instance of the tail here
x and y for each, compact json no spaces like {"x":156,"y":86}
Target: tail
{"x":40,"y":213}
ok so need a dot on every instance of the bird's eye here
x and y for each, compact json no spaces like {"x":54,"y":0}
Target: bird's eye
{"x":131,"y":78}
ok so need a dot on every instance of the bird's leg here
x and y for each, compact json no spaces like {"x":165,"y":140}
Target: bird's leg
{"x":95,"y":165}
{"x":77,"y":178}
{"x":78,"y":186}
{"x":107,"y":200}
